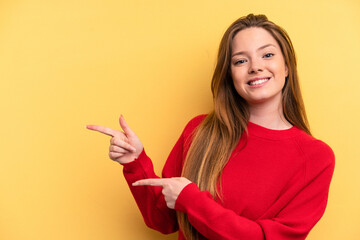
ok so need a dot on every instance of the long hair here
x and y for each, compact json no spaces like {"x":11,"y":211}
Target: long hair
{"x":217,"y":136}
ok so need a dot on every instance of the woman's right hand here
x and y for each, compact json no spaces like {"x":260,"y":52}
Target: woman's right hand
{"x":125,"y":146}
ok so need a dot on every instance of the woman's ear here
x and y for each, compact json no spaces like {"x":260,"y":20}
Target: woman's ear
{"x":286,"y":71}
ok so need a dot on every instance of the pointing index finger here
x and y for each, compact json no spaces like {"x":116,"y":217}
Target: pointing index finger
{"x":104,"y":130}
{"x":151,"y":182}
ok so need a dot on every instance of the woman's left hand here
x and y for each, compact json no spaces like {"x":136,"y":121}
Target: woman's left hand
{"x":171,"y":187}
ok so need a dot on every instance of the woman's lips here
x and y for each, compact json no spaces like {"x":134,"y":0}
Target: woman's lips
{"x":258,"y":82}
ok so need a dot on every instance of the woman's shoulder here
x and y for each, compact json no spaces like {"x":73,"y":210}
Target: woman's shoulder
{"x":194,"y":123}
{"x":310,"y":142}
{"x":317,"y":151}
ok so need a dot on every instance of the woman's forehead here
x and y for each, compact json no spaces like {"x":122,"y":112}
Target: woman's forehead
{"x":253,"y":38}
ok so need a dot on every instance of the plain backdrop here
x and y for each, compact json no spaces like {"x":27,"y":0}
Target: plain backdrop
{"x":68,"y":63}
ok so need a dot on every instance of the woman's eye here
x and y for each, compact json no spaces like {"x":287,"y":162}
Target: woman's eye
{"x":268,"y":55}
{"x":240,"y":62}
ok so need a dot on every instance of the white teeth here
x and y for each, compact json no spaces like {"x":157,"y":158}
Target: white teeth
{"x":252,"y":83}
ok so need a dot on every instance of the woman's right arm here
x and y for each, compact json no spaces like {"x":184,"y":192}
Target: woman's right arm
{"x":127,"y":149}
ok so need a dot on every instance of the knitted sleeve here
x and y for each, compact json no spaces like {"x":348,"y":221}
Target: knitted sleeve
{"x":149,"y":199}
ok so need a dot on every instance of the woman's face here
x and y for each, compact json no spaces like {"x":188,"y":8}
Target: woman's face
{"x":258,"y":67}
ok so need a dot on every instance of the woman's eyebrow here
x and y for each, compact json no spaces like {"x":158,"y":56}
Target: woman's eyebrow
{"x":260,"y":48}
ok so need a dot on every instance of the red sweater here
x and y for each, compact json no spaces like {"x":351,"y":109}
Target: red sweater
{"x":275,"y":188}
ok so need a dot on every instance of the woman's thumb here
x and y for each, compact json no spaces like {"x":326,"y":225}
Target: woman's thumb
{"x":125,"y":126}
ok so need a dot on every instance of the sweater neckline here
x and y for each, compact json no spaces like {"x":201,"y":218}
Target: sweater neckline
{"x":263,"y":132}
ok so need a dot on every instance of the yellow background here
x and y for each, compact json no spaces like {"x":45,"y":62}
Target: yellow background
{"x":68,"y":63}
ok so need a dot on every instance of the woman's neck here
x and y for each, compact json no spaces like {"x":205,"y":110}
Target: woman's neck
{"x":268,"y":115}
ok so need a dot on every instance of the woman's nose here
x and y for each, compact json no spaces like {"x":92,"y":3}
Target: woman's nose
{"x":255,"y":66}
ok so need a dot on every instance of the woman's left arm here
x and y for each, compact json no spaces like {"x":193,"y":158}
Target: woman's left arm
{"x":212,"y":220}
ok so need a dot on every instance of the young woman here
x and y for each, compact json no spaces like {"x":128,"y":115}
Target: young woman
{"x":250,"y":169}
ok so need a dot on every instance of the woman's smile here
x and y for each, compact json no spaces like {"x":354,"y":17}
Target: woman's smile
{"x":258,"y":82}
